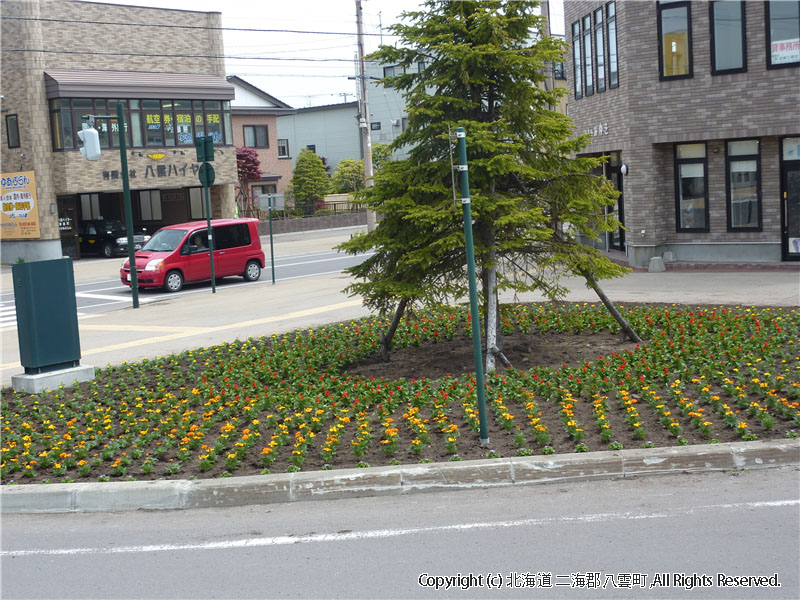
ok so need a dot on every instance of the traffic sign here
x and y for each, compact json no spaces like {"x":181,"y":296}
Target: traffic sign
{"x":206,"y":174}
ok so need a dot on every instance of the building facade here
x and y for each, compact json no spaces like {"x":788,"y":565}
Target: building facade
{"x":696,"y":106}
{"x":331,"y":131}
{"x":255,"y":126}
{"x":64,"y":61}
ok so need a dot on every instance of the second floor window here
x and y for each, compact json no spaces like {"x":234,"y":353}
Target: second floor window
{"x":783,"y":33}
{"x":675,"y":39}
{"x":256,"y":136}
{"x":576,"y":59}
{"x":12,"y":131}
{"x":283,"y":148}
{"x":599,"y":49}
{"x":587,"y":53}
{"x":728,"y":54}
{"x":611,"y":25}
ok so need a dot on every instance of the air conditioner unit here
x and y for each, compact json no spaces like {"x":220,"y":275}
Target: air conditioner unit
{"x":395,"y":122}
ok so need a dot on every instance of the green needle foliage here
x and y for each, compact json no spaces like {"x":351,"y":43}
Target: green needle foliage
{"x":310,"y":182}
{"x":531,"y":198}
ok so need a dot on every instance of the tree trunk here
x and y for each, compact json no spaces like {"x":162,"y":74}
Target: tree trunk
{"x":388,"y":335}
{"x":492,"y":321}
{"x":590,"y":279}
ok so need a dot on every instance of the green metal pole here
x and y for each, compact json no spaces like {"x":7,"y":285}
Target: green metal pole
{"x":473,"y":285}
{"x":271,"y":251}
{"x":210,"y":235}
{"x":126,"y":194}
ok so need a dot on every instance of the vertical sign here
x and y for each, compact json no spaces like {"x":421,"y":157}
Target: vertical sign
{"x":19,"y":218}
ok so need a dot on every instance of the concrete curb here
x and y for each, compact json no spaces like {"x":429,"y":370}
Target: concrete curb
{"x":403,"y":479}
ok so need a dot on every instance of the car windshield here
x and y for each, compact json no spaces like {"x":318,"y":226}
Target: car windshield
{"x":110,"y":226}
{"x":165,"y":240}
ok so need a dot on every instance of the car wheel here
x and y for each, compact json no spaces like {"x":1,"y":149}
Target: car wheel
{"x":173,"y":282}
{"x":252,"y":271}
{"x":108,"y":251}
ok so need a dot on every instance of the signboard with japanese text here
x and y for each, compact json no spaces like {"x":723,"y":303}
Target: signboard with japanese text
{"x":19,"y":218}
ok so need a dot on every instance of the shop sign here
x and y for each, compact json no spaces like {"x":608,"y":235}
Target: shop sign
{"x":157,"y":171}
{"x":19,"y":218}
{"x":599,"y":129}
{"x":786,"y":51}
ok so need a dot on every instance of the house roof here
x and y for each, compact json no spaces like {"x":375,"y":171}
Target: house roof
{"x":279,"y":107}
{"x":353,"y":104}
{"x":75,"y":83}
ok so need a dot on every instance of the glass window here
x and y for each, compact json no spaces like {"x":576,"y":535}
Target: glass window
{"x":744,"y":185}
{"x":727,"y":37}
{"x":576,"y":59}
{"x":214,"y":126}
{"x":675,"y":39}
{"x":90,"y":207}
{"x":12,"y":131}
{"x":611,"y":24}
{"x":67,"y":130}
{"x":283,"y":148}
{"x":388,"y":72}
{"x":599,"y":50}
{"x":150,"y":205}
{"x":587,"y":53}
{"x":690,"y":187}
{"x":154,"y":133}
{"x":783,"y":33}
{"x":375,"y":125}
{"x":256,"y":136}
{"x":197,"y":205}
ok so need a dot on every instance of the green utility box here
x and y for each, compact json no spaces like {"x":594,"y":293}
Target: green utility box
{"x":47,"y":315}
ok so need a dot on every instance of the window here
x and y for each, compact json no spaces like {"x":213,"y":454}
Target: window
{"x":560,"y":70}
{"x":599,"y":50}
{"x":150,"y":205}
{"x":375,"y":126}
{"x":197,"y":203}
{"x":90,"y":207}
{"x":728,"y":51}
{"x":742,"y":165}
{"x":576,"y":59}
{"x":256,"y":136}
{"x":283,"y":148}
{"x":675,"y":40}
{"x":403,"y":123}
{"x":148,"y":122}
{"x":420,"y":66}
{"x":611,"y":25}
{"x":312,"y":147}
{"x":690,"y":187}
{"x":231,"y":236}
{"x":269,"y":188}
{"x":12,"y":131}
{"x":388,"y":72}
{"x":587,"y":53}
{"x":783,"y":34}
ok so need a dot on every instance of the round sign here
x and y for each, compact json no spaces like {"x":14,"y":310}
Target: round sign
{"x":206,"y":174}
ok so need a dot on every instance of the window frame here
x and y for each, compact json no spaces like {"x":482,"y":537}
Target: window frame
{"x":588,"y":67}
{"x":281,"y":143}
{"x":768,"y":38}
{"x":677,"y":183}
{"x":611,"y":23}
{"x":15,"y":129}
{"x":255,"y":129}
{"x":375,"y":126}
{"x":743,"y":68}
{"x":153,"y":199}
{"x":661,"y":7}
{"x":599,"y":50}
{"x":728,"y":196}
{"x":577,"y":60}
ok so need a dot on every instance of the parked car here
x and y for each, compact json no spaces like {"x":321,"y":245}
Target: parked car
{"x":177,"y":254}
{"x":107,"y":237}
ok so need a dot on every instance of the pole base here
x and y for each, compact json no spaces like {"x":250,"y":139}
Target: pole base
{"x":485,"y":443}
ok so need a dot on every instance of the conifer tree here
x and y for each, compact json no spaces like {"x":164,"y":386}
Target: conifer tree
{"x":485,"y":70}
{"x":310,"y":181}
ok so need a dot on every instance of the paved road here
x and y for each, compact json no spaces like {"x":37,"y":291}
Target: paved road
{"x":742,"y":524}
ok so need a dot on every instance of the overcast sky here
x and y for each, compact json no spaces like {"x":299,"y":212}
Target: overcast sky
{"x":304,"y":82}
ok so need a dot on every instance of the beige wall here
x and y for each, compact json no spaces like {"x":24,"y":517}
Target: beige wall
{"x":270,"y":163}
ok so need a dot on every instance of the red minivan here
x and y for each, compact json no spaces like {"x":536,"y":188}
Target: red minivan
{"x":179,"y":253}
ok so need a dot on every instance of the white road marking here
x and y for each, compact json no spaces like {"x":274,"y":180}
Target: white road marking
{"x":284,"y":540}
{"x":104,"y":297}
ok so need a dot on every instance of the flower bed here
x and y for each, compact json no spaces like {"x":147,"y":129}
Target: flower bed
{"x":291,"y":402}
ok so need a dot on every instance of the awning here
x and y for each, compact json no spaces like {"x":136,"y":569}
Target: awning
{"x":71,"y":83}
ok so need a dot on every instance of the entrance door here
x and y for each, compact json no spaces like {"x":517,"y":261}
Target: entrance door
{"x":790,"y":199}
{"x":68,"y":226}
{"x":616,"y":238}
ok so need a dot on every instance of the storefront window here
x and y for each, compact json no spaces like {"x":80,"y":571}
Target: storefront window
{"x":744,"y":185}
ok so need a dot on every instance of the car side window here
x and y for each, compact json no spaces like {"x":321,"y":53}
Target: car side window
{"x":91,"y":230}
{"x":197,"y":242}
{"x":231,"y":236}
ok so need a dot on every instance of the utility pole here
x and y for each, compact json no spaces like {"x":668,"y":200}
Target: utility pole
{"x":363,"y":121}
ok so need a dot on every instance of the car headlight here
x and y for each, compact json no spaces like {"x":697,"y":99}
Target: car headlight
{"x":154,"y":265}
{"x":122,"y":240}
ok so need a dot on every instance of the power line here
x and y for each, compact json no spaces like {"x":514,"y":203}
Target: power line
{"x":201,"y":27}
{"x":142,"y":54}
